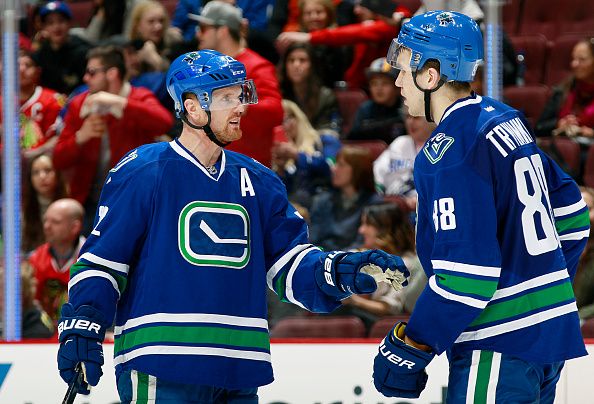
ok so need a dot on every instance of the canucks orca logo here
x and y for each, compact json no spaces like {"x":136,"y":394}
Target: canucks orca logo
{"x":445,"y":19}
{"x":437,"y":146}
{"x":191,"y":57}
{"x":214,"y":234}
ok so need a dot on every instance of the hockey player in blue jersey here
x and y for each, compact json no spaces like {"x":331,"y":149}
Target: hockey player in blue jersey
{"x":500,"y":229}
{"x":187,"y":238}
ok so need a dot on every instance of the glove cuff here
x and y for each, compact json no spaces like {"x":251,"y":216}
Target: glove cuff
{"x":86,"y":321}
{"x":326,"y":276}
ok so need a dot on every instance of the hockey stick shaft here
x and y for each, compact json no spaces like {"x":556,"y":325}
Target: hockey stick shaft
{"x":73,"y":385}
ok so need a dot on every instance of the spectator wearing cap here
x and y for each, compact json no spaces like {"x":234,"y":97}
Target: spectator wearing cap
{"x":370,"y":37}
{"x":220,"y":29}
{"x":61,"y":56}
{"x":103,"y":124}
{"x":379,"y":117}
{"x":39,"y":109}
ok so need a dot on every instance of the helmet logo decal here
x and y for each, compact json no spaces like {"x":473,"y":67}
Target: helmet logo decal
{"x":445,"y":19}
{"x":191,"y":57}
{"x":437,"y":146}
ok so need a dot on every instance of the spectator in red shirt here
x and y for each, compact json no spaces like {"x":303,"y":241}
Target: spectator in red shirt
{"x":103,"y":124}
{"x":51,"y":261}
{"x":371,"y":38}
{"x":39,"y":108}
{"x":220,"y":30}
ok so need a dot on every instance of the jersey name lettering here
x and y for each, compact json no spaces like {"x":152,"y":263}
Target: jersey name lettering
{"x":509,"y":135}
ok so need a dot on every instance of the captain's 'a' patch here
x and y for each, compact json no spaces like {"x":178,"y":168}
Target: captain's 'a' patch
{"x":437,"y":146}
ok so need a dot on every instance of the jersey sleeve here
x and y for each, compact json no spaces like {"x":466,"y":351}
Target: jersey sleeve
{"x":457,"y":242}
{"x":291,"y":260}
{"x":100,"y":275}
{"x":572,"y":217}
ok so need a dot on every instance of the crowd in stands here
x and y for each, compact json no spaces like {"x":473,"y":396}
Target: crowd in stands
{"x":329,"y":121}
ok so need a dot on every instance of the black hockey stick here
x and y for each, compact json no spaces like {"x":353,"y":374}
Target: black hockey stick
{"x":73,"y":385}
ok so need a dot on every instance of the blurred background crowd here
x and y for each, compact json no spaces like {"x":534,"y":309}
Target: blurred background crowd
{"x":329,"y":122}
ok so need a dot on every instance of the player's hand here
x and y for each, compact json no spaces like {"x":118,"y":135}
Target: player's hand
{"x":81,"y":334}
{"x":344,"y":273}
{"x":398,"y":368}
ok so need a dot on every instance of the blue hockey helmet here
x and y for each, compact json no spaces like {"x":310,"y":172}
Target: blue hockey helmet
{"x":202,"y":72}
{"x":452,"y":38}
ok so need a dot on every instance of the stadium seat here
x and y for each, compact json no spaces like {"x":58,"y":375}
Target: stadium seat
{"x":569,"y":149}
{"x":319,"y":327}
{"x":510,"y":16}
{"x":589,"y":168}
{"x":588,"y":328}
{"x":579,"y":17}
{"x":381,"y":327}
{"x":558,"y":66}
{"x":375,"y":147}
{"x":542,"y":16}
{"x":530,"y":100}
{"x":534,"y":49}
{"x":82,"y":11}
{"x":348,"y":103}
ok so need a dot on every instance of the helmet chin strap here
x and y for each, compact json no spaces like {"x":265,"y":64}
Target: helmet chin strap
{"x":427,"y":93}
{"x":206,"y":128}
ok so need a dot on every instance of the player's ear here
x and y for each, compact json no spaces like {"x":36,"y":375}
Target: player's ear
{"x":433,"y":77}
{"x":195,"y":112}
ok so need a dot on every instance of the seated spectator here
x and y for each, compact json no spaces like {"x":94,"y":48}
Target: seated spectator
{"x":371,"y":38}
{"x":40,"y":107}
{"x":220,"y":30}
{"x":42,"y":186}
{"x":107,"y":20}
{"x":387,"y":227}
{"x":103,"y":124}
{"x":62,"y":224}
{"x":302,"y":159}
{"x":150,"y":24}
{"x":393,"y":169}
{"x":301,"y":83}
{"x":583,"y":283}
{"x":379,"y":117}
{"x":336,"y":213}
{"x":61,"y":56}
{"x":35,"y":322}
{"x":315,"y":15}
{"x":570,"y":110}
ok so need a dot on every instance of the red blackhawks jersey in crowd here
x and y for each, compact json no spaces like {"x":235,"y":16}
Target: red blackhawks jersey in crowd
{"x":38,"y":116}
{"x":52,"y":279}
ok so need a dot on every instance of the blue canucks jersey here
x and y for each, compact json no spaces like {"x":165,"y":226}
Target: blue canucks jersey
{"x":500,"y":229}
{"x":182,"y":255}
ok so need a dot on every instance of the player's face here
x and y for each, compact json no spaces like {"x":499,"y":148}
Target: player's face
{"x":95,"y":76}
{"x":382,"y":89}
{"x":412,"y":96}
{"x":582,"y":61}
{"x":369,"y":234}
{"x":226,"y":111}
{"x":314,"y":15}
{"x":298,"y":66}
{"x":43,"y":177}
{"x":28,"y":72}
